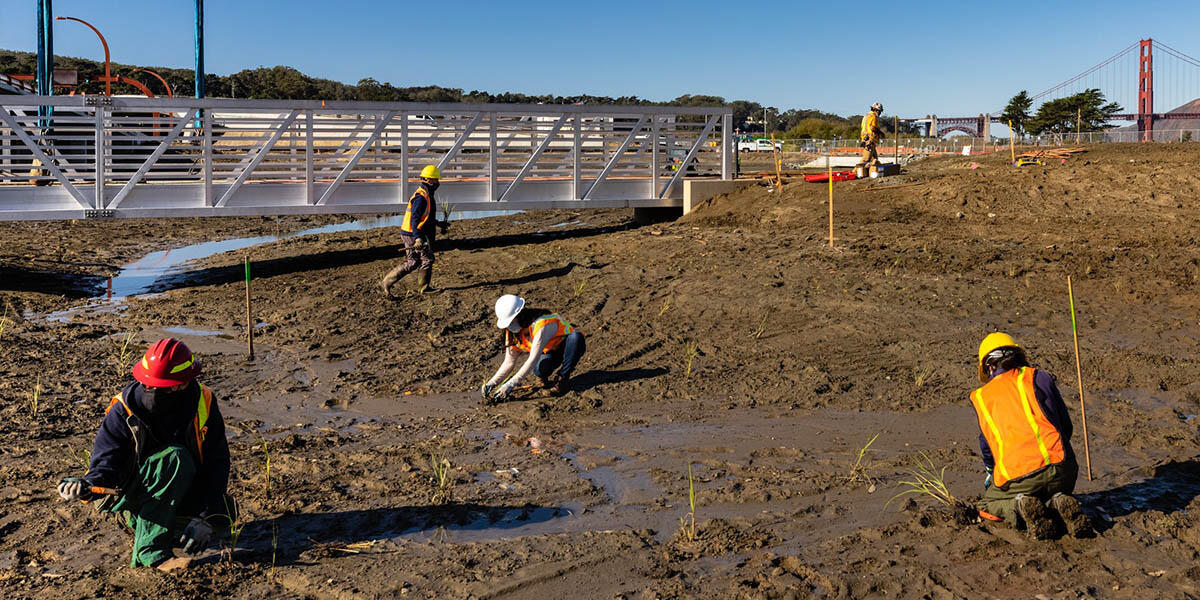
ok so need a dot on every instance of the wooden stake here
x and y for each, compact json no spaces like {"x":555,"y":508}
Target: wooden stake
{"x":109,"y":288}
{"x":1079,"y":377}
{"x":830,"y":206}
{"x":1012,"y":137}
{"x":778,"y":164}
{"x":249,"y":323}
{"x":1078,"y":123}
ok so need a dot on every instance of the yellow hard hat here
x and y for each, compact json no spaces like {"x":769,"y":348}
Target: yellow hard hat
{"x":431,"y":172}
{"x":991,"y":342}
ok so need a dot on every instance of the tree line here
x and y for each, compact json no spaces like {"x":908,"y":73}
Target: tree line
{"x":281,"y":82}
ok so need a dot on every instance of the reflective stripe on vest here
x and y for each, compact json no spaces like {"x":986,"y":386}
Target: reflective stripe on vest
{"x":407,"y":224}
{"x":563,"y":329}
{"x":1020,"y":436}
{"x":199,"y":428}
{"x":869,"y":122}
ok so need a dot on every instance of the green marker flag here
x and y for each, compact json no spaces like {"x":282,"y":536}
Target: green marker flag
{"x":247,"y":269}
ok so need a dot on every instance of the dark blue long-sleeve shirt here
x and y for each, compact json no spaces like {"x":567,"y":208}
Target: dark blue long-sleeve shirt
{"x":418,"y":209}
{"x":113,"y":451}
{"x":1052,"y":405}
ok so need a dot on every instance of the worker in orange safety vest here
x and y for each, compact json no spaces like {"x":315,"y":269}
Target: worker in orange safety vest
{"x":1025,"y":435}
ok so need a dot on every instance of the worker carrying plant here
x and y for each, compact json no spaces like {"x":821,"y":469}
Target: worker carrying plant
{"x":1025,"y":439}
{"x":549,"y":340}
{"x":870,"y":134}
{"x":418,"y":231}
{"x":160,"y":460}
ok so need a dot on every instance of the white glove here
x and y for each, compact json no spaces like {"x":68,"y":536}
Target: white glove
{"x":503,"y":392}
{"x":486,"y":390}
{"x":196,"y":536}
{"x":71,"y":488}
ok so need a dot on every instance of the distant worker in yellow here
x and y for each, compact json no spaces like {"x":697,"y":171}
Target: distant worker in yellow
{"x":870,"y":134}
{"x":418,"y":232}
{"x":1025,"y":440}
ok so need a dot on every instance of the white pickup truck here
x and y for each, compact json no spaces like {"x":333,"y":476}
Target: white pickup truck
{"x":759,"y":145}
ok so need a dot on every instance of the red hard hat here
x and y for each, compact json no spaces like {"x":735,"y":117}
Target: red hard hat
{"x":167,"y":363}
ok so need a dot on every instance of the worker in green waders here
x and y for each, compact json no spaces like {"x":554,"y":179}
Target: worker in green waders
{"x":553,"y":346}
{"x":160,"y":461}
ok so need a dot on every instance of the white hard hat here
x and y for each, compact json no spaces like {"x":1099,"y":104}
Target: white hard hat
{"x":507,"y":308}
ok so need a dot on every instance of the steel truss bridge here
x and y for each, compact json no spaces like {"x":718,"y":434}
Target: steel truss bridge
{"x":94,"y":156}
{"x":1128,"y":78}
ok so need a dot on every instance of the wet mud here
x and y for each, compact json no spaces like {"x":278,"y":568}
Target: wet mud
{"x":733,"y":340}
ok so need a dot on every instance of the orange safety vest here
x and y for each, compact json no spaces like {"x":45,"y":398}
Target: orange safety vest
{"x":199,"y":427}
{"x":1020,"y":436}
{"x":525,"y":338}
{"x":407,"y":225}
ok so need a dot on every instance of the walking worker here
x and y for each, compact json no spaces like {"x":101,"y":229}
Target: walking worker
{"x":1025,"y":439}
{"x":549,"y":340}
{"x":418,"y":232}
{"x":160,"y":460}
{"x":870,"y":134}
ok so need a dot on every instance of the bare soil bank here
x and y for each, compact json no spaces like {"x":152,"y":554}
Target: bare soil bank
{"x":801,"y":354}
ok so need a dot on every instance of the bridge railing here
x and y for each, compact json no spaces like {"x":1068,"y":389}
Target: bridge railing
{"x":186,"y":157}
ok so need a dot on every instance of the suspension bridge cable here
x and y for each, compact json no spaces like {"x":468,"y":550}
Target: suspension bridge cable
{"x":1087,"y":72}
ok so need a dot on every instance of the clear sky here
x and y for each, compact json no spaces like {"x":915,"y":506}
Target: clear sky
{"x":917,"y":57}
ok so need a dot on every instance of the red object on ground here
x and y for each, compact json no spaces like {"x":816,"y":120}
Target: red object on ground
{"x":837,"y":176}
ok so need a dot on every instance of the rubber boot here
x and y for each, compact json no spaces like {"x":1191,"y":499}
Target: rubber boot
{"x":390,"y":279}
{"x":424,"y":286}
{"x":1037,"y":518}
{"x":1071,"y":513}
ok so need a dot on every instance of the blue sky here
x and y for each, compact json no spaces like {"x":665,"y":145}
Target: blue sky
{"x":917,"y":57}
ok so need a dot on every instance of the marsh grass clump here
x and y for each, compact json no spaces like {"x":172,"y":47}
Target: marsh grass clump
{"x":691,"y":349}
{"x":925,"y":479}
{"x":860,"y":470}
{"x":687,"y":523}
{"x":440,"y":479}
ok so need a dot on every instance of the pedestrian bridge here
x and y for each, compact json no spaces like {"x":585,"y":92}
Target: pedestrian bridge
{"x":70,"y":157}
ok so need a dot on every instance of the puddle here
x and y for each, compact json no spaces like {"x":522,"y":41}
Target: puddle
{"x":189,"y":331}
{"x":147,"y":273}
{"x":507,"y":524}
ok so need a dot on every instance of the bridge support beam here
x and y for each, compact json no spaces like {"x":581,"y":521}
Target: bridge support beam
{"x":1145,"y":116}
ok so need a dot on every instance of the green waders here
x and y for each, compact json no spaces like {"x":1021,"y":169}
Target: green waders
{"x":1043,"y":484}
{"x":152,"y":507}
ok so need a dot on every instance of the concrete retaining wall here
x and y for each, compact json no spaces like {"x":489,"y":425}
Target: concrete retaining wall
{"x":697,"y":191}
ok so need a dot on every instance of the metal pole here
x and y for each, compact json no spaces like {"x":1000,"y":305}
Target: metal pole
{"x":45,"y":59}
{"x":200,"y":49}
{"x":107,"y":59}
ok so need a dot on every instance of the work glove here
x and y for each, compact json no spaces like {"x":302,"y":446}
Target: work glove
{"x":420,"y":243}
{"x":504,"y":391}
{"x":485,"y":391}
{"x":75,"y":488}
{"x":987,"y":481}
{"x":196,"y":536}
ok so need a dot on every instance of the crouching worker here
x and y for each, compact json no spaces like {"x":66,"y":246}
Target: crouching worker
{"x":549,"y":340}
{"x":1025,"y":439}
{"x":160,"y":460}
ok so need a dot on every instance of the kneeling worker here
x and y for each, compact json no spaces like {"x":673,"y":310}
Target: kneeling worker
{"x":551,"y":342}
{"x":161,"y":460}
{"x":1025,"y":439}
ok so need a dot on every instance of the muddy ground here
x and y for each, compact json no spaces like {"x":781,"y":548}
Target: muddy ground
{"x":733,"y":340}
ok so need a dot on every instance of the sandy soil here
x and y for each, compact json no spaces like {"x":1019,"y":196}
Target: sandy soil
{"x":733,"y":340}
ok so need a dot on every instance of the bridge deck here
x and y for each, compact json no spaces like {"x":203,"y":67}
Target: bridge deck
{"x":138,"y":157}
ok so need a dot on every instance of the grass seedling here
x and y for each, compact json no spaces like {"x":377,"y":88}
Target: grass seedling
{"x":858,"y":470}
{"x":762,"y":328}
{"x":121,"y":354}
{"x":35,"y":396}
{"x":690,"y":350}
{"x":442,"y":483}
{"x":922,"y":374}
{"x":927,"y":480}
{"x":266,"y":469}
{"x":84,"y":458}
{"x":236,"y":525}
{"x":447,"y":211}
{"x":687,"y":523}
{"x":274,"y":548}
{"x":665,"y":307}
{"x":579,"y":287}
{"x":4,"y":320}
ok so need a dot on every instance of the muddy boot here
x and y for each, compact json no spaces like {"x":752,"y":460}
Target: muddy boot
{"x":1036,"y":517}
{"x":424,"y":286}
{"x":174,"y":564}
{"x":389,"y":280}
{"x":1071,"y":513}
